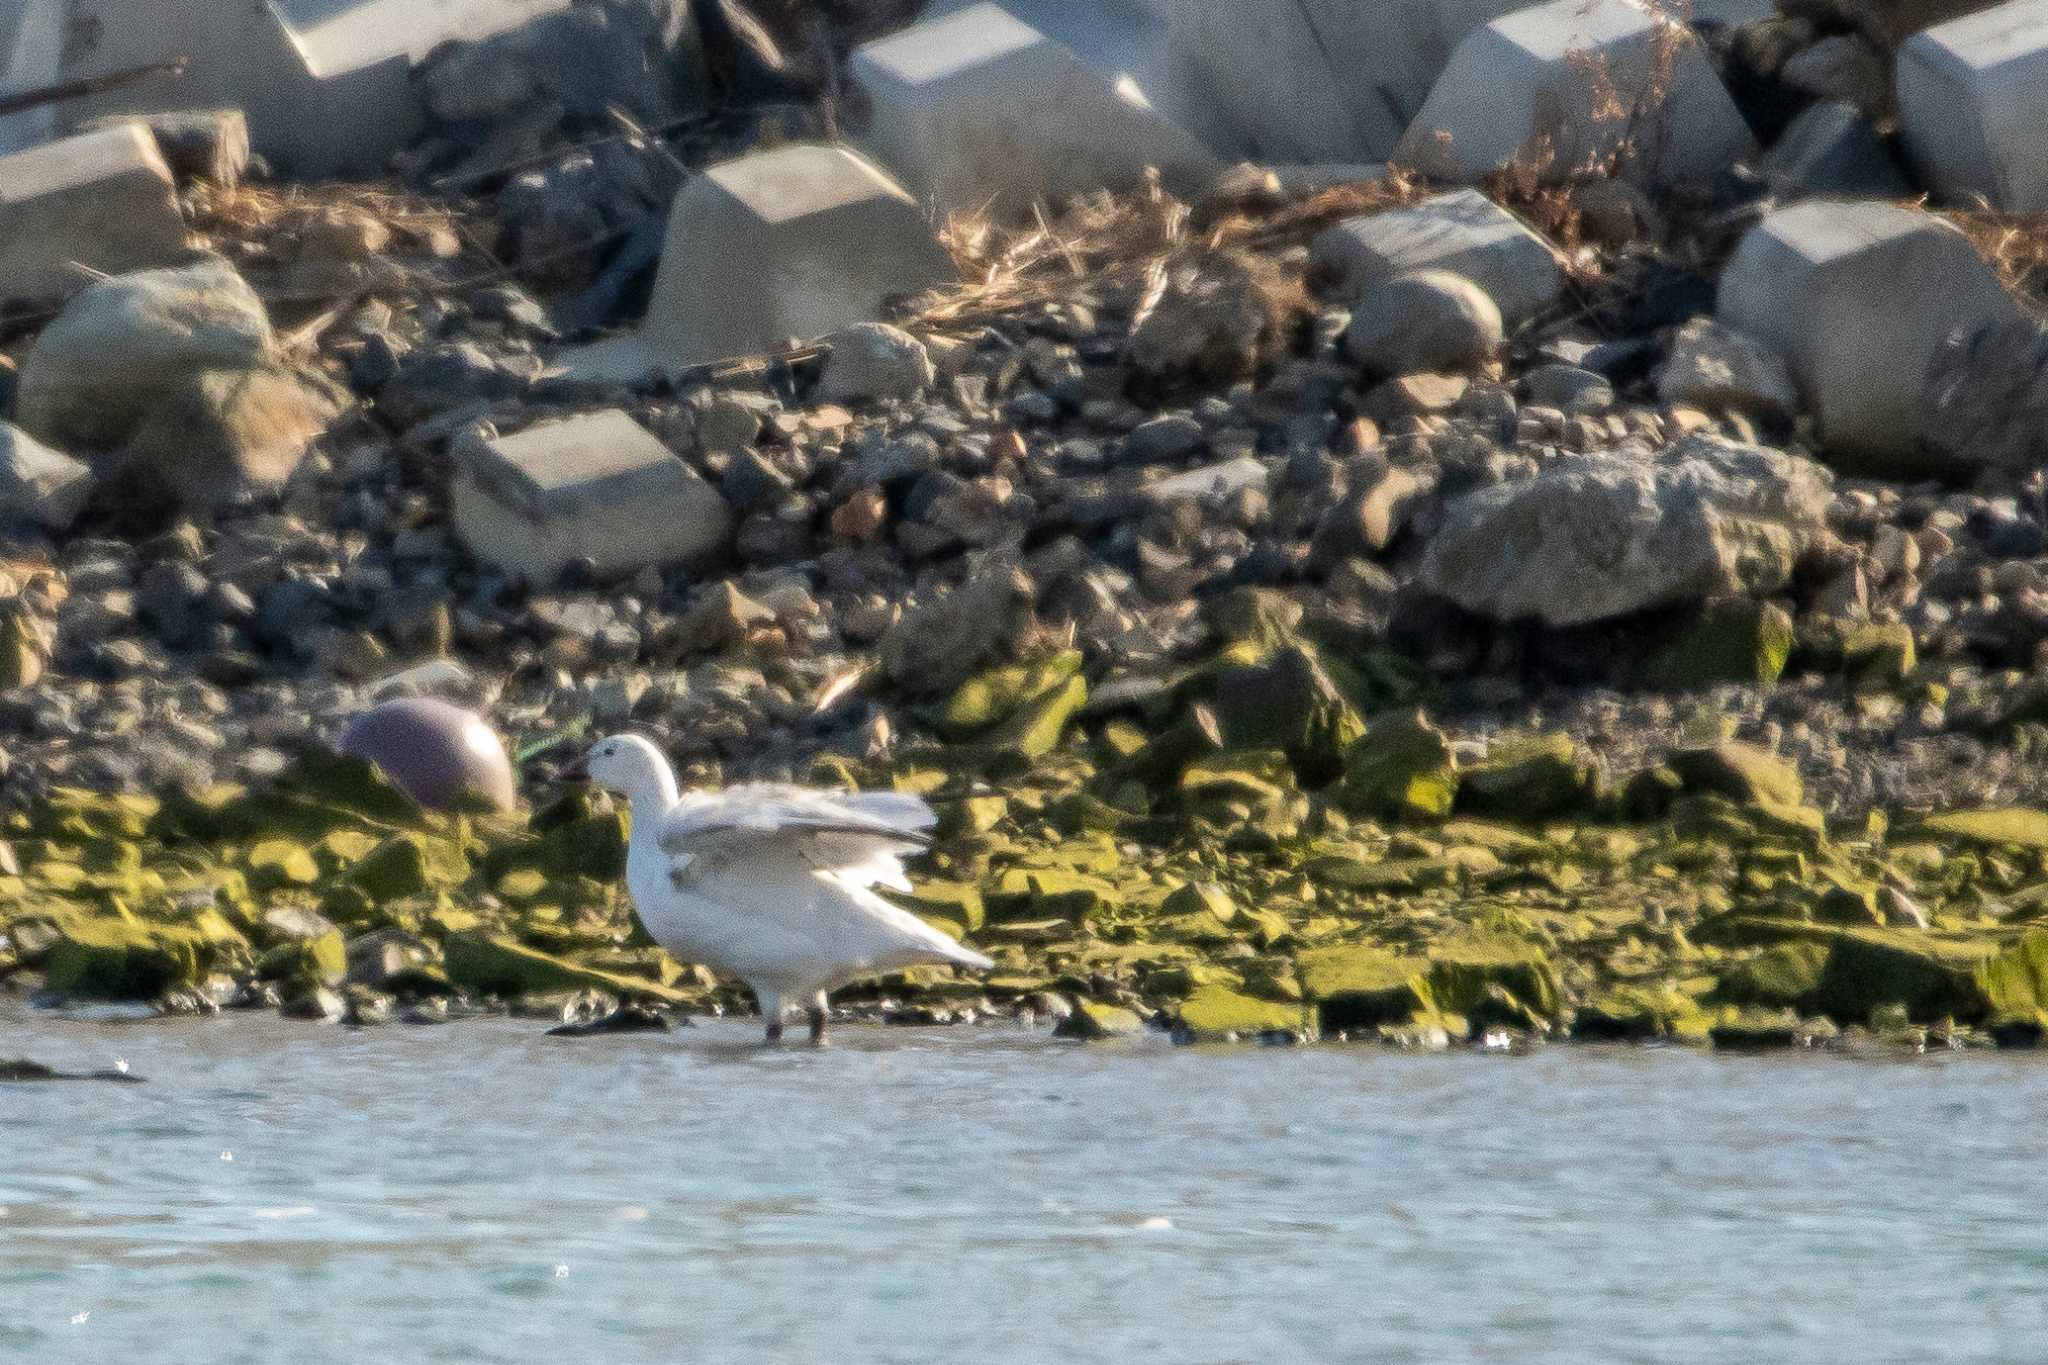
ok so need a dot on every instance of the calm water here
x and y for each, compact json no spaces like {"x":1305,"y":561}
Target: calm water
{"x":481,"y":1193}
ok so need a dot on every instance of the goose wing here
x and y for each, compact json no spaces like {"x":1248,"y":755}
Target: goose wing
{"x":859,"y":837}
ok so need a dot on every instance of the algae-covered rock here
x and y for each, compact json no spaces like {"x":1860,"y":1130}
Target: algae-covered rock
{"x":991,"y":697}
{"x":1403,"y":768}
{"x":1934,"y":979}
{"x":1779,"y":976}
{"x":115,"y":958}
{"x":1758,"y":1030}
{"x":478,"y":960}
{"x":1037,"y":727}
{"x":1091,"y":1020}
{"x":2015,"y":827}
{"x":1218,"y":1014}
{"x":21,"y":651}
{"x":956,"y":903}
{"x":1357,"y":986}
{"x":2015,"y":982}
{"x":408,"y":864}
{"x":281,"y":862}
{"x":1636,"y":1013}
{"x":1530,"y":778}
{"x":1288,"y":702}
{"x":1732,"y":640}
{"x":320,"y":961}
{"x":1492,"y":978}
{"x":1879,"y":656}
{"x":1740,"y":772}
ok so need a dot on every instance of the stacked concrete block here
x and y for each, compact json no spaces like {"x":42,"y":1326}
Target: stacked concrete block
{"x":101,"y":200}
{"x":980,"y":110}
{"x":797,"y":242}
{"x":1858,"y":297}
{"x":1973,"y":104}
{"x":1319,"y":80}
{"x":598,"y":487}
{"x":31,"y":56}
{"x":1463,"y":232}
{"x":325,"y":83}
{"x":1578,"y":84}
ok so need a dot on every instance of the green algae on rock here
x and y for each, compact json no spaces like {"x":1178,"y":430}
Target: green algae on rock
{"x":1402,"y":769}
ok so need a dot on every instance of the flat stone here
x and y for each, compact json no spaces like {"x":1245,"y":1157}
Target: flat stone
{"x":799,"y":242}
{"x":1561,"y":87}
{"x":1973,"y":99}
{"x":1858,"y":297}
{"x":980,"y":111}
{"x":1718,"y":369}
{"x":1428,"y":320}
{"x":31,"y":58}
{"x":104,"y":200}
{"x":1210,"y":481}
{"x":594,"y":488}
{"x":40,"y":485}
{"x":1463,"y":232}
{"x":598,"y":487}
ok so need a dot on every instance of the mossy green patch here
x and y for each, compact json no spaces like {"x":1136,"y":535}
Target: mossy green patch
{"x":1782,"y":975}
{"x":1091,"y":1020}
{"x":318,"y":961}
{"x":1530,"y":778}
{"x":1216,"y":1013}
{"x":2014,"y":827}
{"x":1493,"y":978}
{"x":1402,"y":769}
{"x":479,"y":960}
{"x":116,"y":958}
{"x":1358,"y":986}
{"x":1733,"y":640}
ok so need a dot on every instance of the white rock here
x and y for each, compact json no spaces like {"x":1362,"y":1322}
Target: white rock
{"x":979,"y":110}
{"x":1858,"y":297}
{"x":801,"y":241}
{"x":100,"y":367}
{"x":875,"y":360}
{"x":104,"y":200}
{"x":1463,"y":232}
{"x":1569,"y":85}
{"x":38,"y":484}
{"x":1973,"y":99}
{"x":1426,"y":320}
{"x":1715,"y":368}
{"x":597,"y":487}
{"x":1595,"y":537}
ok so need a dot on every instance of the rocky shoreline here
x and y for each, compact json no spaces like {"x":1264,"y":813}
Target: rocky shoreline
{"x":1298,"y":639}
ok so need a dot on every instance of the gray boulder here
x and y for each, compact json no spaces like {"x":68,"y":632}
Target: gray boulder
{"x":1985,"y":404}
{"x":875,"y":360}
{"x":1595,"y":537}
{"x":1426,"y":320}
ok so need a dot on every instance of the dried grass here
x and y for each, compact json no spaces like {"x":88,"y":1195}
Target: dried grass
{"x":2015,"y":243}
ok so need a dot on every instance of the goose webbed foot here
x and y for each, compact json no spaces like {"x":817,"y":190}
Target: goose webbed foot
{"x":817,"y":1018}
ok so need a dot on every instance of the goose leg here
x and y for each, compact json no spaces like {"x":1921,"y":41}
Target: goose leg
{"x":817,"y":1014}
{"x":771,"y":1014}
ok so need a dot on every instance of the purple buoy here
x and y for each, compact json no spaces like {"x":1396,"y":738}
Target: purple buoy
{"x":435,"y":752}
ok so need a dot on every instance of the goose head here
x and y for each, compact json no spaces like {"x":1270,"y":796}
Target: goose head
{"x":627,"y":764}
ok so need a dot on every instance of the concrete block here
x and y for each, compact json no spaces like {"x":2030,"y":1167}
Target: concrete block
{"x":326,"y":84}
{"x":1858,"y":297}
{"x":598,"y":487}
{"x":1463,"y":232}
{"x":104,"y":200}
{"x":1973,"y":100}
{"x":1832,"y":149}
{"x":979,"y":109}
{"x":31,"y":58}
{"x":1318,"y":80}
{"x":1541,"y":86}
{"x":197,"y":144}
{"x":801,"y":241}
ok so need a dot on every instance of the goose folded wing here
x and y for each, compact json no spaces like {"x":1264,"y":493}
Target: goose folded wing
{"x":860,"y":837}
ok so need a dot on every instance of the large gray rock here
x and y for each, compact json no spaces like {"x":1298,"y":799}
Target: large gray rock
{"x":1427,"y":320}
{"x":1595,"y":537}
{"x":1973,"y":99}
{"x":1463,"y":232}
{"x":978,"y":110}
{"x":875,"y":360}
{"x":1985,"y":405}
{"x":1575,"y":85}
{"x":38,"y":485}
{"x":168,"y":383}
{"x":1717,"y":369}
{"x":598,"y":487}
{"x":106,"y":361}
{"x":1857,"y":297}
{"x":103,"y":200}
{"x":1833,"y":149}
